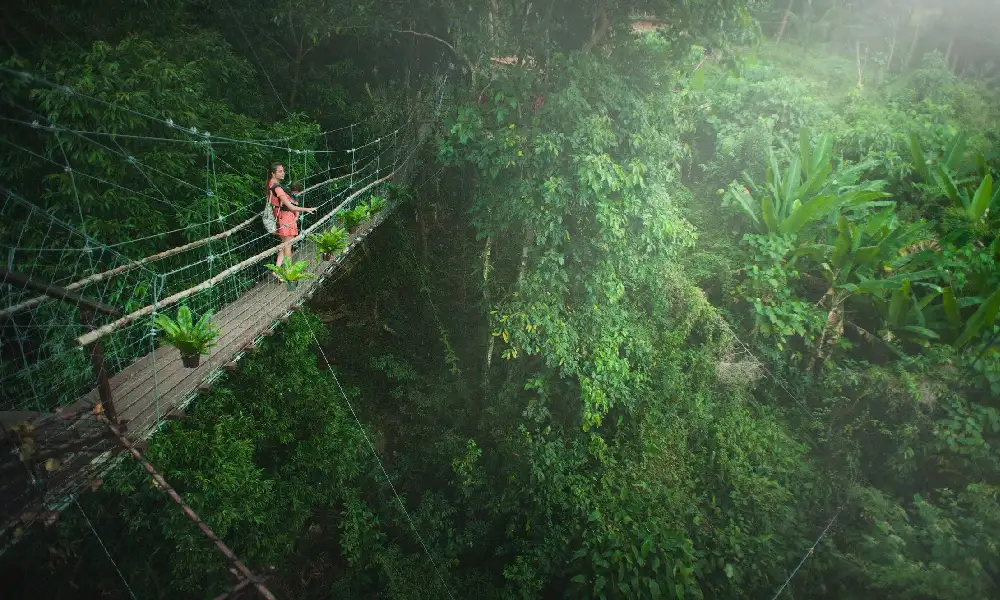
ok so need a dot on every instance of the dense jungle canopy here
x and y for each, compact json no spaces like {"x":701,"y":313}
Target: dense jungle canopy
{"x":686,"y":299}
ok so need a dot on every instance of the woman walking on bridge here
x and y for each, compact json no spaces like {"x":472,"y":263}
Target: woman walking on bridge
{"x":286,"y":213}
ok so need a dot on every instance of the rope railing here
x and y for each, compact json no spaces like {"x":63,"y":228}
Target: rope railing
{"x":100,"y":332}
{"x":162,"y":484}
{"x":144,"y":261}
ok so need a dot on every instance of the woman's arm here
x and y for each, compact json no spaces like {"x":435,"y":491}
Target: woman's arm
{"x":286,"y":202}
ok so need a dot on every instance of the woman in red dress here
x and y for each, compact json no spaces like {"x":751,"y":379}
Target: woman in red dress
{"x":286,"y":213}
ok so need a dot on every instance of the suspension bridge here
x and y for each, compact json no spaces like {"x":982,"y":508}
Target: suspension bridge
{"x":86,"y":377}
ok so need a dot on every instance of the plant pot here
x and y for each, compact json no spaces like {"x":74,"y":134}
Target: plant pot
{"x":326,"y":256}
{"x":191,"y":361}
{"x":291,"y":285}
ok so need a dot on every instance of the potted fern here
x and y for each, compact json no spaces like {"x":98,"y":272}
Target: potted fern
{"x":192,"y":339}
{"x":330,"y":242}
{"x":291,"y":273}
{"x":353,"y":218}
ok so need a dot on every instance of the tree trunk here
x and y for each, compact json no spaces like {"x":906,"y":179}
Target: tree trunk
{"x":600,"y":26}
{"x":832,"y":332}
{"x":486,"y":304}
{"x":524,"y":257}
{"x":784,"y":21}
{"x":947,"y":54}
{"x":914,"y":41}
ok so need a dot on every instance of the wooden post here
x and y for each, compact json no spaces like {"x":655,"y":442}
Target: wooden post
{"x":103,"y":382}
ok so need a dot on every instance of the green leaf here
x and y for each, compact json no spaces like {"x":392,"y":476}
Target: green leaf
{"x":951,"y":189}
{"x":579,"y":579}
{"x":767,"y":211}
{"x":792,"y":179}
{"x":922,"y":331}
{"x":981,"y":201}
{"x":953,"y":155}
{"x":654,"y":588}
{"x":900,"y":298}
{"x":805,"y":150}
{"x":917,"y":154}
{"x":815,"y":208}
{"x":744,"y":201}
{"x":815,"y":181}
{"x":984,"y":317}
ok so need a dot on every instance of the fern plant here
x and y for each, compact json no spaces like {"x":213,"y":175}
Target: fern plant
{"x":192,"y":339}
{"x":353,"y":218}
{"x":292,"y":273}
{"x":330,"y":242}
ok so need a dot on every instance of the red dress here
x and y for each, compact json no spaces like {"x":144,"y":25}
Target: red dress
{"x":288,"y":223}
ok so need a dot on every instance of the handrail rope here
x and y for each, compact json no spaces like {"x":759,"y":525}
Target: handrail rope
{"x":105,"y":548}
{"x":82,"y":173}
{"x":193,"y":131}
{"x":239,"y":209}
{"x":97,"y":334}
{"x":12,"y":195}
{"x":188,"y":511}
{"x":138,"y":263}
{"x":388,"y":479}
{"x":121,"y":152}
{"x":807,"y":554}
{"x":728,"y":328}
{"x":247,"y":243}
{"x":123,"y":268}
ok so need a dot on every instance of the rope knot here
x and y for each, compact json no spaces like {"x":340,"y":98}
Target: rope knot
{"x":170,"y":122}
{"x":210,"y":258}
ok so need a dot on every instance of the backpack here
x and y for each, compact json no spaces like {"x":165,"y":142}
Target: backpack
{"x":267,"y":217}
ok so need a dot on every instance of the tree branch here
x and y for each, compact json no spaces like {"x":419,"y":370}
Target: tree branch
{"x":601,"y":29}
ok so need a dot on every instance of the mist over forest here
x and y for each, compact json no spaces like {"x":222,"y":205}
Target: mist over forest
{"x":691,"y":300}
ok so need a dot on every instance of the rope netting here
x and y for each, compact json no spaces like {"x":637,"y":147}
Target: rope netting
{"x":110,"y":217}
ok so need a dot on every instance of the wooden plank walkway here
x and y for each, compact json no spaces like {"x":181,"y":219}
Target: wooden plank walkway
{"x":144,"y":395}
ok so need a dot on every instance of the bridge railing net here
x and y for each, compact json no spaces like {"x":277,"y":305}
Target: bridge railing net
{"x":126,"y":216}
{"x":198,"y":198}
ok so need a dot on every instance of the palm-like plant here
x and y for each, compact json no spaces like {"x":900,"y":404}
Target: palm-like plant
{"x":291,"y":273}
{"x":859,"y":261}
{"x":972,"y":195}
{"x":330,"y":242}
{"x":806,"y":190}
{"x":192,"y":339}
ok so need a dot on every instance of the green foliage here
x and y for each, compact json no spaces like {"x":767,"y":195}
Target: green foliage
{"x":375,"y":204}
{"x":330,"y":242}
{"x":769,"y":288}
{"x":354,"y":217}
{"x":187,"y":336}
{"x":289,"y":271}
{"x":806,"y":190}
